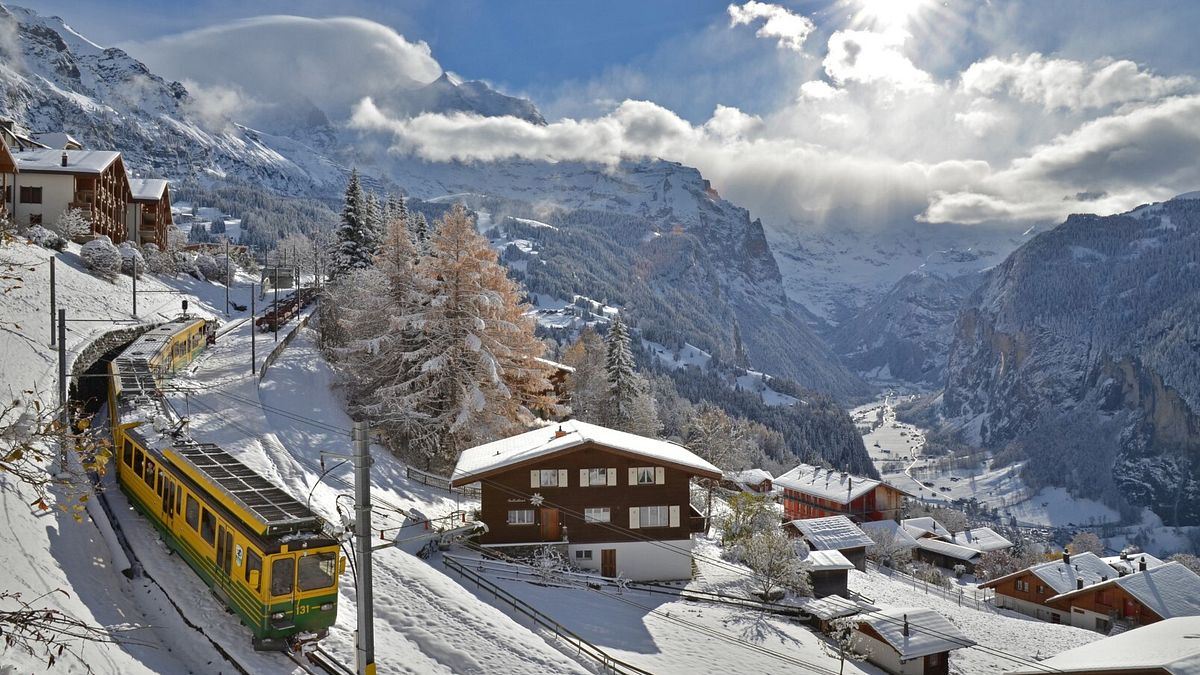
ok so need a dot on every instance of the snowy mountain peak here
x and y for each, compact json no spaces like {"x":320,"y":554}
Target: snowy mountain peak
{"x":449,"y":94}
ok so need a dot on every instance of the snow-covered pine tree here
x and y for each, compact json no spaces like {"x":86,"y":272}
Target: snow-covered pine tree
{"x":468,"y":371}
{"x":588,"y":384}
{"x":374,"y":222}
{"x":420,"y":231}
{"x":353,"y":250}
{"x":629,"y":406}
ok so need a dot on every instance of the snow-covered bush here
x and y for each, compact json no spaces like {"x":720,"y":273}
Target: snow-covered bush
{"x":221,"y":265}
{"x":132,"y":261}
{"x":157,"y":262}
{"x":45,"y":238}
{"x":185,"y":262}
{"x":72,"y":224}
{"x":101,"y":257}
{"x":207,"y":266}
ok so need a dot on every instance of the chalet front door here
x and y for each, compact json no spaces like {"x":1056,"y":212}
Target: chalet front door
{"x":550,"y":525}
{"x":608,"y":562}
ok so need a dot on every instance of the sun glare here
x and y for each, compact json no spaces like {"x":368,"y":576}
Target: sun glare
{"x":885,"y":14}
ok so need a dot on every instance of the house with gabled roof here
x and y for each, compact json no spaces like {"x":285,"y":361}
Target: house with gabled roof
{"x":58,"y":140}
{"x":1169,"y":647}
{"x":814,"y":492}
{"x":942,"y":553}
{"x":909,"y":641}
{"x":982,"y":539}
{"x":1028,"y":591}
{"x":828,"y":573}
{"x":149,"y":217}
{"x":48,"y":182}
{"x":755,"y":481}
{"x":610,"y":501}
{"x":926,"y":526}
{"x":1128,"y":600}
{"x":834,"y":533}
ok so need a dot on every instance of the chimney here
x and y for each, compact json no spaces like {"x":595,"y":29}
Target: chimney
{"x":1078,"y":583}
{"x":905,"y":625}
{"x":1066,"y":558}
{"x":560,"y":433}
{"x":1124,"y":554}
{"x":64,"y":158}
{"x":1122,"y":572}
{"x":1142,"y":564}
{"x":1103,"y":577}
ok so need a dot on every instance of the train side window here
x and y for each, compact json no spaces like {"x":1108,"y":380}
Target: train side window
{"x":282,"y":572}
{"x":253,"y":564}
{"x":178,"y":500}
{"x":127,"y":455}
{"x":193,"y":513}
{"x":162,"y":484}
{"x":138,"y":461}
{"x":208,"y":527}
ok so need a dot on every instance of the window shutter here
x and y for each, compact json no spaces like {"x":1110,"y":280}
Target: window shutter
{"x":535,"y":478}
{"x":634,"y":519}
{"x":583,"y":478}
{"x":633,"y":476}
{"x":562,"y":478}
{"x":675,"y":516}
{"x":611,"y":475}
{"x":660,"y":475}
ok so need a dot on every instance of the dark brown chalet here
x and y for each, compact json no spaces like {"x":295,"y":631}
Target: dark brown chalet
{"x":1129,"y":600}
{"x":614,"y":502}
{"x":815,"y":492}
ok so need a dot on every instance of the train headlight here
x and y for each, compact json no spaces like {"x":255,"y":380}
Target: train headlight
{"x":277,"y":615}
{"x":326,"y":607}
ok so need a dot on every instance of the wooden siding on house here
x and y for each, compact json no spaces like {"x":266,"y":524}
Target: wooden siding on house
{"x":511,"y":490}
{"x":1112,"y":601}
{"x":882,"y":503}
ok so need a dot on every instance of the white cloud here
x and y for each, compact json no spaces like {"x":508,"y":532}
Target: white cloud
{"x":818,"y":90}
{"x":333,"y":62}
{"x":780,"y":23}
{"x":870,"y":57}
{"x":1070,"y":85}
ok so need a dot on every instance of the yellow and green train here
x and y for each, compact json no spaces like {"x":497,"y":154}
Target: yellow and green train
{"x":267,"y":556}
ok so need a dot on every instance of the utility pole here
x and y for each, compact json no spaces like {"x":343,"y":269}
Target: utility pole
{"x":253,"y":331}
{"x":134,"y":277}
{"x":275,"y":307}
{"x":227,"y":279}
{"x":53,"y":302}
{"x":365,"y":638}
{"x":64,"y":416}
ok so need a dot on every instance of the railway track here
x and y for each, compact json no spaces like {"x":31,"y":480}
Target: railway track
{"x":319,"y":662}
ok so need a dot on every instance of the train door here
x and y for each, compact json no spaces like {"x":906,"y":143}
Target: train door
{"x":168,"y":499}
{"x":224,"y":550}
{"x":283,"y":584}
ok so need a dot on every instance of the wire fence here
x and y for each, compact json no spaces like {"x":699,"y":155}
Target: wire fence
{"x":441,"y":482}
{"x":952,"y":593}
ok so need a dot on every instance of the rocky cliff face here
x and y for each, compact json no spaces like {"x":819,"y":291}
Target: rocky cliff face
{"x":1090,"y":329}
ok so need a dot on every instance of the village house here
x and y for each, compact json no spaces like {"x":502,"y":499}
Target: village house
{"x":8,"y":170}
{"x":15,"y":140}
{"x":1168,"y":647}
{"x":982,"y":539}
{"x":834,"y":533}
{"x":1131,"y":561}
{"x":58,"y":140}
{"x":941,"y":553}
{"x":814,"y":492}
{"x":48,"y":182}
{"x":909,"y":641}
{"x":925,"y":527}
{"x":890,"y":533}
{"x":1133,"y":599}
{"x":829,"y":573}
{"x":149,"y":217}
{"x":936,"y":545}
{"x":610,"y":501}
{"x":754,"y":481}
{"x":1028,"y":591}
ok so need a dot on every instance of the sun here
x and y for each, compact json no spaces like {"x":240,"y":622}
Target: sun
{"x":888,"y":14}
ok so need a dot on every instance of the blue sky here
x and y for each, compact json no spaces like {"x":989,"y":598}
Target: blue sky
{"x":833,"y":111}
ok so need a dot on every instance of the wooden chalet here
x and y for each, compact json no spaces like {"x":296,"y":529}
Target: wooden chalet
{"x":909,"y":641}
{"x":834,"y":533}
{"x":611,"y":501}
{"x":754,"y":481}
{"x":829,"y":573}
{"x":1029,"y":591}
{"x":58,"y":140}
{"x":814,"y":492}
{"x":15,"y":140}
{"x":1169,"y":647}
{"x":149,"y":216}
{"x":48,"y":182}
{"x":1130,"y":600}
{"x":8,"y":170}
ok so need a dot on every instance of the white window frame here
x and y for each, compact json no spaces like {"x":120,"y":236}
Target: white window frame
{"x":515,"y":517}
{"x":583,"y":554}
{"x":646,"y":473}
{"x":548,"y":478}
{"x":597,"y":477}
{"x":598,"y":514}
{"x":654,"y":516}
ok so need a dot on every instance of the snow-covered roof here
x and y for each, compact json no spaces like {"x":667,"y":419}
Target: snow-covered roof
{"x":919,"y":527}
{"x":1132,"y":561}
{"x":831,"y":484}
{"x":831,"y":533}
{"x":1172,"y":645}
{"x":147,"y":188}
{"x":902,"y":538}
{"x":928,"y":631}
{"x":1168,"y":590}
{"x":833,"y":606}
{"x":947,"y":549}
{"x":78,"y":161}
{"x":1063,"y":576}
{"x":982,"y":539}
{"x":826,"y":561}
{"x":748,"y":477}
{"x":57,"y":139}
{"x":555,"y":364}
{"x":563,"y":436}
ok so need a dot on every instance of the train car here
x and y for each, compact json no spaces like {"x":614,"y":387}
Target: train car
{"x":264,"y":554}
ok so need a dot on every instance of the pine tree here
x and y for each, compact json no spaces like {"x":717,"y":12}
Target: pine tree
{"x":374,"y":222}
{"x":457,"y":362}
{"x":629,"y":406}
{"x":740,"y":358}
{"x":353,"y":250}
{"x":588,"y":385}
{"x":420,"y":231}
